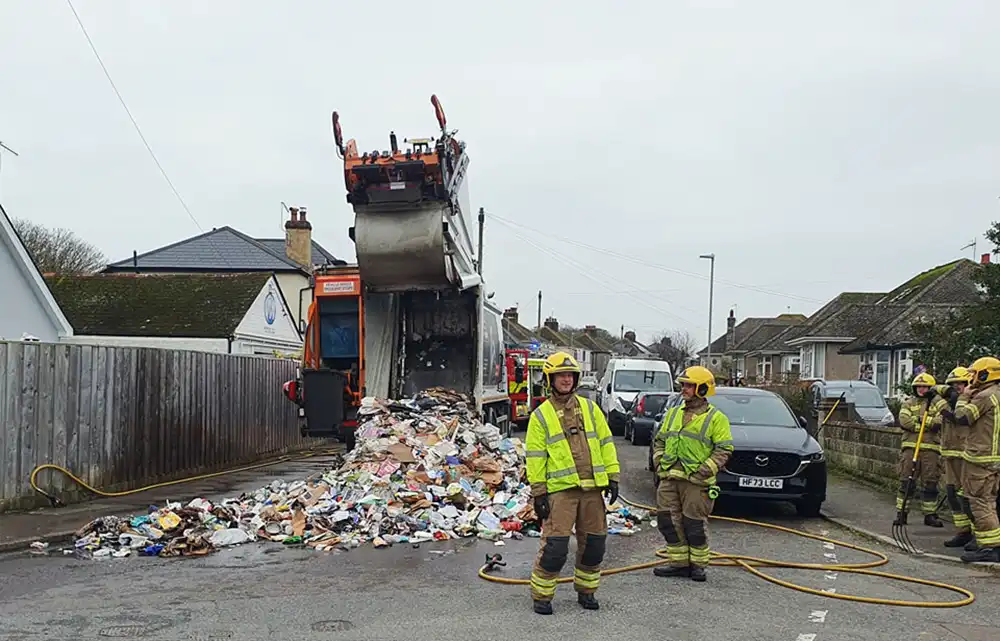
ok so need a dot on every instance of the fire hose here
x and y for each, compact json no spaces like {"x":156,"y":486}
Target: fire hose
{"x":754,"y":566}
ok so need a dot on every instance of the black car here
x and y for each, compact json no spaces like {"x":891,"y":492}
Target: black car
{"x":775,"y":458}
{"x":640,"y":420}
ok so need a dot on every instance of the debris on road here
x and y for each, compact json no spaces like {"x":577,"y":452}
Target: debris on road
{"x":423,"y":469}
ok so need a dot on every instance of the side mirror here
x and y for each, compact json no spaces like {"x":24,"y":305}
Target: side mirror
{"x":803,"y":422}
{"x":608,"y":388}
{"x":659,"y":417}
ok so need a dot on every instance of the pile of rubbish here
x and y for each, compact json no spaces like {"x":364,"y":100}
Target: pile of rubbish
{"x":423,"y":469}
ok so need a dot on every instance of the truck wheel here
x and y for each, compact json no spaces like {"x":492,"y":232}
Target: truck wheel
{"x":349,"y":440}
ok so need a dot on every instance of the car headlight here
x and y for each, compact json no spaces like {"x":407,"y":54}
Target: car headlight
{"x":888,"y":418}
{"x":816,"y":457}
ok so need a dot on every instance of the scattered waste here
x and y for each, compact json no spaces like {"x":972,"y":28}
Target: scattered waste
{"x":423,"y":469}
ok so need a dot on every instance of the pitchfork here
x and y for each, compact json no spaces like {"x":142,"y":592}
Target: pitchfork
{"x":899,"y":533}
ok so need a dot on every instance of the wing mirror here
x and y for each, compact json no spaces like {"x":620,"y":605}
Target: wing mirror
{"x":659,"y":417}
{"x":803,"y":422}
{"x":608,"y":388}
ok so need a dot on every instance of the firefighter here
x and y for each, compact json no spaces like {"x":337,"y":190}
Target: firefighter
{"x":953,"y":439}
{"x":692,"y":445}
{"x":977,"y":409}
{"x":925,"y":401}
{"x":571,"y":461}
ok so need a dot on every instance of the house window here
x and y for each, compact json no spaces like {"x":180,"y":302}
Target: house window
{"x":819,"y":366}
{"x":806,"y":358}
{"x":764,"y":368}
{"x":881,"y":371}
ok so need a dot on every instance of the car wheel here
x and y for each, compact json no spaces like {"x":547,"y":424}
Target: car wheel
{"x":808,"y":506}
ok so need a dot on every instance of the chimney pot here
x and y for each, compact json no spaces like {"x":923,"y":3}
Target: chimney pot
{"x":984,"y":259}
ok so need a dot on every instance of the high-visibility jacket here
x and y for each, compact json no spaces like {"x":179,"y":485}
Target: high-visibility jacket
{"x":911,"y":415}
{"x":953,"y":436}
{"x":549,"y":457}
{"x":982,"y":416}
{"x":694,"y":444}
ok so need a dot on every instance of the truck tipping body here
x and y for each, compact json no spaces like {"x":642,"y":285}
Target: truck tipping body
{"x":412,"y":314}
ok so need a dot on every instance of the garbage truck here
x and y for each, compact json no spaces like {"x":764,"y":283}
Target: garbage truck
{"x":413,"y":313}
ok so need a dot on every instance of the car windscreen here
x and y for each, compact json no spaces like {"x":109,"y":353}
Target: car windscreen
{"x":747,"y":409}
{"x":637,"y":380}
{"x":653,"y":403}
{"x":860,"y":396}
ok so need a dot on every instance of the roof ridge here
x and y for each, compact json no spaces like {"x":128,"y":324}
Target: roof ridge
{"x":127,"y":262}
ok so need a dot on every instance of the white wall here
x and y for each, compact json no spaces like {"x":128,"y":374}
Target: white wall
{"x":25,"y":310}
{"x":217,"y":345}
{"x":268,"y":321}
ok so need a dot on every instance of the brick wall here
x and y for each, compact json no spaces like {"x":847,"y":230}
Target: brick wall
{"x":868,"y":452}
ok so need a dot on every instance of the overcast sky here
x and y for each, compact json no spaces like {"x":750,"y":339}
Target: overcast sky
{"x":813,"y":147}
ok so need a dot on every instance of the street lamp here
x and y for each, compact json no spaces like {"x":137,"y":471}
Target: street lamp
{"x":711,"y":296}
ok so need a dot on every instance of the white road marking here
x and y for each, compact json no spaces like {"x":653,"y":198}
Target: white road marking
{"x":830,"y":590}
{"x":806,"y":637}
{"x":829,"y":546}
{"x":824,"y":532}
{"x":818,"y":616}
{"x":831,"y":576}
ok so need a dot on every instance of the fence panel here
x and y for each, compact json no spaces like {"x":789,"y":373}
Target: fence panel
{"x":123,"y":417}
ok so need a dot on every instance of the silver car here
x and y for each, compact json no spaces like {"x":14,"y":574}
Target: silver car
{"x":868,"y":401}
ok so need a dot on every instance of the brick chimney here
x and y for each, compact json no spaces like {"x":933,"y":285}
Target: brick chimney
{"x":552,"y":323}
{"x":630,"y":336}
{"x":298,"y":237}
{"x":589,"y":329}
{"x":510,"y":314}
{"x":984,"y":259}
{"x":731,"y":331}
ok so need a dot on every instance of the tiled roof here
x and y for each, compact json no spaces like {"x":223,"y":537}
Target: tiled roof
{"x":178,"y":305}
{"x":222,"y":249}
{"x":517,"y":333}
{"x":835,"y":306}
{"x":747,"y":328}
{"x":593,"y":343}
{"x":898,"y":330}
{"x":549,"y":335}
{"x":319,"y":254}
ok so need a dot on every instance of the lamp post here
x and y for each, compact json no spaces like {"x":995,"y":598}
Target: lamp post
{"x":711,"y":297}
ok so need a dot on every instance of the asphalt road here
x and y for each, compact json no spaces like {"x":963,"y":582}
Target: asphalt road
{"x":432,"y":592}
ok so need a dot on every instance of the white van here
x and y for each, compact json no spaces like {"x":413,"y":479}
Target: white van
{"x":623,"y":379}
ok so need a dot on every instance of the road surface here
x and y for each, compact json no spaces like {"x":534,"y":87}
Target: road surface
{"x":432,"y":592}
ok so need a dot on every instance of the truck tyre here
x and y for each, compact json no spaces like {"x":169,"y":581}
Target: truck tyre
{"x":349,"y":440}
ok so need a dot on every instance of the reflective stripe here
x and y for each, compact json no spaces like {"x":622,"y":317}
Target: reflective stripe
{"x":561,"y":436}
{"x":541,"y":586}
{"x":560,"y":474}
{"x":589,"y":580}
{"x":537,"y":453}
{"x":607,"y":439}
{"x":598,"y":468}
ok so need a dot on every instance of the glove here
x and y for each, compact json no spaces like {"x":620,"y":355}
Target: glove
{"x":542,"y":507}
{"x":953,"y":397}
{"x":611,"y":491}
{"x":948,"y":414}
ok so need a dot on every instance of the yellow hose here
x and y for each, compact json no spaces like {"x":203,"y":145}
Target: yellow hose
{"x":752,"y":564}
{"x":33,"y":479}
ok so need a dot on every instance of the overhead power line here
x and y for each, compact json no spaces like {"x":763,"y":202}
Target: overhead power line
{"x":646,"y":263}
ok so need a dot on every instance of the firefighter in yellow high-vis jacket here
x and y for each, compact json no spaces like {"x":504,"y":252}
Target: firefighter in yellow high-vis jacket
{"x":571,"y":464}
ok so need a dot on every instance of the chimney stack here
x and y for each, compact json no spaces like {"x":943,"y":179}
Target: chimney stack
{"x":984,"y":259}
{"x":552,"y":323}
{"x":731,"y":331}
{"x":510,"y":314}
{"x":630,"y":336}
{"x":298,"y":238}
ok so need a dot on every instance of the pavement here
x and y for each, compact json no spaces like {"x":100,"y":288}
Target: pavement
{"x":431,"y":591}
{"x":54,"y":525}
{"x":869,"y":512}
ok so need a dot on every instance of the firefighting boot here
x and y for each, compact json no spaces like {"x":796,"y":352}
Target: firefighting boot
{"x":698,"y":574}
{"x":932,"y":520}
{"x":542,"y":607}
{"x":959,"y":540}
{"x":666,"y":571}
{"x":900,"y":518}
{"x":971,"y":546}
{"x":982,"y":555}
{"x":588,"y":601}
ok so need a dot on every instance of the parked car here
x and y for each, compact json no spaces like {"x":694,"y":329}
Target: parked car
{"x":623,"y":379}
{"x":775,"y":458}
{"x":868,"y":401}
{"x":640,"y":420}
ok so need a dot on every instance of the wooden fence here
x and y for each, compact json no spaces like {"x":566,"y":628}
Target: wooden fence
{"x":122,"y":417}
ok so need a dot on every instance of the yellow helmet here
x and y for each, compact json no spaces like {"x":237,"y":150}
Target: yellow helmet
{"x":959,"y":375}
{"x":701,"y":378}
{"x":985,"y":370}
{"x":923,"y":379}
{"x":558,"y":363}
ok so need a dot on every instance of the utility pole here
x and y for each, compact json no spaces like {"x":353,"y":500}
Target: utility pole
{"x":711,"y":298}
{"x":482,"y":223}
{"x":8,"y":149}
{"x":539,"y":325}
{"x":973,"y":246}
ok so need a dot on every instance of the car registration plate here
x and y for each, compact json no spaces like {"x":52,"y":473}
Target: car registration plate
{"x":761,"y":483}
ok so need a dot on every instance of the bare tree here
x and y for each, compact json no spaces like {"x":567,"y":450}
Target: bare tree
{"x":677,"y":347}
{"x":59,"y":250}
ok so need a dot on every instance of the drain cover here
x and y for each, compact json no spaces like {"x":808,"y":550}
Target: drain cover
{"x":123,"y":631}
{"x":335,"y":625}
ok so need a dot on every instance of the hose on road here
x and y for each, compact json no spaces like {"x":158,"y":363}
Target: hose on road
{"x":754,"y":564}
{"x":54,"y":500}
